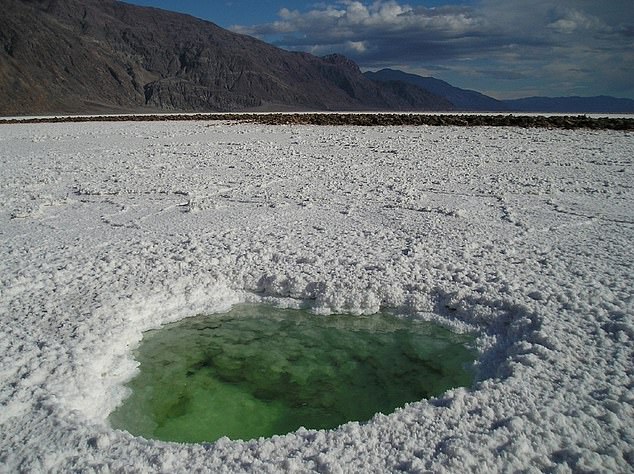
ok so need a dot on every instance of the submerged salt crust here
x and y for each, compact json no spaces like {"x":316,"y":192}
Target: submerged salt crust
{"x":522,"y":236}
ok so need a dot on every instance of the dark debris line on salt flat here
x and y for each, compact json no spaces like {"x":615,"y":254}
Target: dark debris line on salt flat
{"x":363,"y":119}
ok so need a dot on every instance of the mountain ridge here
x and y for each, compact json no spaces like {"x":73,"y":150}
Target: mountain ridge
{"x":71,"y":56}
{"x":107,"y":56}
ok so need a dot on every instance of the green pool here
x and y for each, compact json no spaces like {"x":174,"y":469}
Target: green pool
{"x":259,"y":371}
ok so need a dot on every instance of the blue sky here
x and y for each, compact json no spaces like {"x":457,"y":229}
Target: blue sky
{"x":504,"y":48}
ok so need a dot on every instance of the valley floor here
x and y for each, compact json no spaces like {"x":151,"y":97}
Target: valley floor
{"x":523,"y":236}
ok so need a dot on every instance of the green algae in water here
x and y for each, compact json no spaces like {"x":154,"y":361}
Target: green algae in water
{"x":260,"y":371}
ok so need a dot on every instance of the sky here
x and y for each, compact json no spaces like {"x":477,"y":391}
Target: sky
{"x":503,"y":48}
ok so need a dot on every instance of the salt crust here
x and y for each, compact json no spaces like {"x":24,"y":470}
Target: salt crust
{"x":524,"y":236}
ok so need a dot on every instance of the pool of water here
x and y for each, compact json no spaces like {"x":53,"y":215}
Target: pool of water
{"x":259,"y":370}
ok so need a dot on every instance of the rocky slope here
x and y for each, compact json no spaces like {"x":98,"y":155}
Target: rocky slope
{"x":81,"y":56}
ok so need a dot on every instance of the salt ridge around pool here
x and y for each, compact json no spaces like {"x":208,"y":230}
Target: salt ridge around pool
{"x":523,"y":237}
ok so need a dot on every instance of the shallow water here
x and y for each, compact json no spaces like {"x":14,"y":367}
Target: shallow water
{"x":260,"y":370}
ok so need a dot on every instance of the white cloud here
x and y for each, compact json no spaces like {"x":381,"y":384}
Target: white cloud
{"x":358,"y":46}
{"x":356,"y":21}
{"x":575,"y":21}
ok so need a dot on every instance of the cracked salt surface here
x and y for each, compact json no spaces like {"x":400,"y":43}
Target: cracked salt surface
{"x":524,"y":236}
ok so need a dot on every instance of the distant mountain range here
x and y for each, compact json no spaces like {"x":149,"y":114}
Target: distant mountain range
{"x":572,"y":105}
{"x":472,"y":101}
{"x":106,"y":56}
{"x":462,"y":99}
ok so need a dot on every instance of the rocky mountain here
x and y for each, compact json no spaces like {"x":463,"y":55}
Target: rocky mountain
{"x":462,"y":99}
{"x":95,"y":56}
